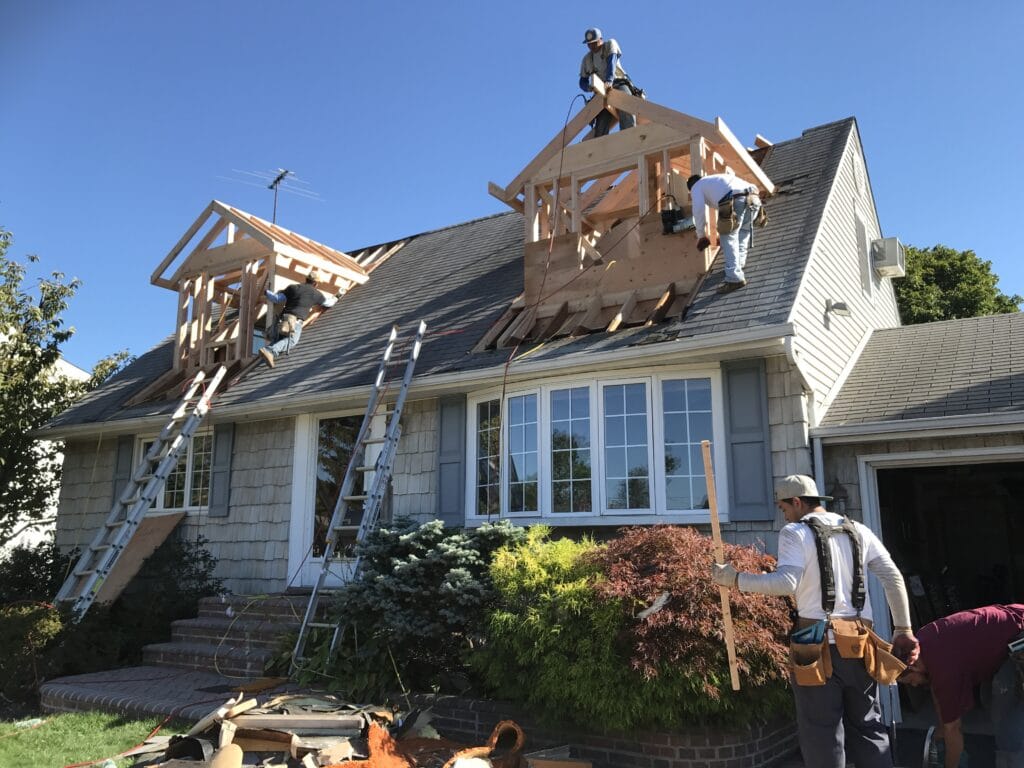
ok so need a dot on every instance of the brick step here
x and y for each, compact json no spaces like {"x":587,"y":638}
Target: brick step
{"x":255,"y":607}
{"x":233,"y":633}
{"x":208,"y":657}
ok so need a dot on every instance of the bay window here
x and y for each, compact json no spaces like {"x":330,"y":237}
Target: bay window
{"x":611,"y":448}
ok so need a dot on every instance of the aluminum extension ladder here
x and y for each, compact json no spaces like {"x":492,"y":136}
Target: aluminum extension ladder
{"x":364,"y":507}
{"x":85,"y":581}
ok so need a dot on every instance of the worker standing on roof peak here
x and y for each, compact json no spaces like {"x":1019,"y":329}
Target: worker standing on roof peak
{"x":604,"y":59}
{"x":739,"y":205}
{"x":298,"y":301}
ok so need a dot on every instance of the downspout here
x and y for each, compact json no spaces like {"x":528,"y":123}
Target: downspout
{"x":817,"y":462}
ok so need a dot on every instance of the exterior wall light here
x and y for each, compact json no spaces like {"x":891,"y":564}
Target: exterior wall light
{"x":840,"y":308}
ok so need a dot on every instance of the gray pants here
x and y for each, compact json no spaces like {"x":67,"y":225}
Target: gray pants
{"x":603,"y":121}
{"x":842,"y":718}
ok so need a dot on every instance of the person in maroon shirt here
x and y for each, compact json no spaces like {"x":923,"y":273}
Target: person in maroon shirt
{"x":961,"y":651}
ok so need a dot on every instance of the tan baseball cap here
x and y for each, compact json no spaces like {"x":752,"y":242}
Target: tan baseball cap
{"x":798,"y":485}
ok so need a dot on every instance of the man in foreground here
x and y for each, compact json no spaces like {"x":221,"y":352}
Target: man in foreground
{"x":840,"y":715}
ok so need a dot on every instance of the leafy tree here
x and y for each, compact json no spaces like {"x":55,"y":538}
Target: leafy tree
{"x":32,"y":331}
{"x":945,"y":284}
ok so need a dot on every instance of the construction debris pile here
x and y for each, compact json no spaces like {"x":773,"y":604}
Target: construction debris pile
{"x":305,"y":731}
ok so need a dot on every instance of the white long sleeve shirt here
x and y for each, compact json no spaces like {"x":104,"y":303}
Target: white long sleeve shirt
{"x":709,"y":191}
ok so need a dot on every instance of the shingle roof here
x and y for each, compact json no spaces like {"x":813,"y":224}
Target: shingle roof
{"x":951,"y":368}
{"x":461,"y":278}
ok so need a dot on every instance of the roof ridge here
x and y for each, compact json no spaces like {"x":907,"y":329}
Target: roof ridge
{"x":445,"y":228}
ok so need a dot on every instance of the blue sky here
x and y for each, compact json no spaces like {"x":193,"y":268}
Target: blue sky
{"x":120,"y":119}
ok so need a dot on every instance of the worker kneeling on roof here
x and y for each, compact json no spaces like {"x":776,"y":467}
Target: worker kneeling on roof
{"x":298,"y":301}
{"x":836,"y":659}
{"x":969,"y":648}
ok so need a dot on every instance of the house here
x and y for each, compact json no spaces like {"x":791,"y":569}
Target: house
{"x":925,"y":443}
{"x":30,"y":533}
{"x":575,"y":357}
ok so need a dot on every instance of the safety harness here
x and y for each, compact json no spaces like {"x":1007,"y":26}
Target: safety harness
{"x":823,"y":533}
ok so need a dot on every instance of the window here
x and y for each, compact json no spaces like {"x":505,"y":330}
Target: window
{"x":188,"y":484}
{"x":686,"y":410}
{"x":336,"y":440}
{"x":627,"y":469}
{"x":488,"y":458}
{"x":594,"y":449}
{"x":571,"y":476}
{"x":522,"y":455}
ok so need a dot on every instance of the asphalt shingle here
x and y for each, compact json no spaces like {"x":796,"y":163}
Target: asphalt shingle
{"x":460,"y":280}
{"x":950,"y":368}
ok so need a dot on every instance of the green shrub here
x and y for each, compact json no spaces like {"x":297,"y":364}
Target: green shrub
{"x":30,"y":572}
{"x":415,"y":610}
{"x":564,"y":638}
{"x":26,"y":630}
{"x":167,"y":587}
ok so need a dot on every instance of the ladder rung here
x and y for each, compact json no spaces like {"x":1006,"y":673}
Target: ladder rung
{"x":374,"y":440}
{"x":360,"y":497}
{"x":366,"y":469}
{"x":320,"y":625}
{"x":86,"y":572}
{"x":115,"y":524}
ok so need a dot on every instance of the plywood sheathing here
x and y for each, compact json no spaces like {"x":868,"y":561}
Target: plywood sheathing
{"x":593,"y":244}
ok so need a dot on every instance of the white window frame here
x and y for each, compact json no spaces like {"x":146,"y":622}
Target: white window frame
{"x":504,"y":490}
{"x":303,"y":568}
{"x":601,"y":516}
{"x":188,"y":509}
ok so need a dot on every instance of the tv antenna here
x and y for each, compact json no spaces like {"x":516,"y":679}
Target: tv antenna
{"x":279,"y":180}
{"x":282,"y":174}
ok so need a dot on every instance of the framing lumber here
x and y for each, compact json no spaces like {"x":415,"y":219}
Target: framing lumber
{"x":155,"y":278}
{"x":716,"y":533}
{"x":498,"y":326}
{"x":589,"y":321}
{"x":495,"y":191}
{"x":744,"y":157}
{"x":684,"y":124}
{"x":623,"y":314}
{"x":561,"y":139}
{"x":660,"y":311}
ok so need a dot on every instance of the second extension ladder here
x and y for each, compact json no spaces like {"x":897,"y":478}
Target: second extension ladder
{"x":364,"y":507}
{"x":87,"y":578}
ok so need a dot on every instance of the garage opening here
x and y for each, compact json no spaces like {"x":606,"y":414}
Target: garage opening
{"x":957,"y":534}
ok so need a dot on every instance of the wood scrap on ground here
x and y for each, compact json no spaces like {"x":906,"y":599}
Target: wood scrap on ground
{"x":321,"y":731}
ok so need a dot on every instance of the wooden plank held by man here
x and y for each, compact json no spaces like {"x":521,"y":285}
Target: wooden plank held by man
{"x":716,"y":534}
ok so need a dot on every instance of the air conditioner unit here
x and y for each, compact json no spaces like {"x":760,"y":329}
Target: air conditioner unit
{"x":888,"y":257}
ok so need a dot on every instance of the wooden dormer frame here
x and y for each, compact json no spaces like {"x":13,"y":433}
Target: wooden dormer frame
{"x":221,"y":282}
{"x":603,"y":197}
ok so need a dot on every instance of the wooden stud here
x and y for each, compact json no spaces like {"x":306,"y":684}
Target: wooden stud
{"x":643,"y":187}
{"x":716,"y":533}
{"x":496,"y":328}
{"x":553,"y":147}
{"x":554,"y":323}
{"x":155,"y":278}
{"x":623,"y":314}
{"x":660,"y":309}
{"x":589,"y":321}
{"x":760,"y":177}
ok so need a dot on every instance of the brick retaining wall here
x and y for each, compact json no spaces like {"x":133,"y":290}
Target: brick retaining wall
{"x":759,"y":746}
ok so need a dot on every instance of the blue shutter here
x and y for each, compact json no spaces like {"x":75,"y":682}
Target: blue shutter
{"x":748,"y":449}
{"x":122,"y":467}
{"x":220,"y":469}
{"x":451,"y":460}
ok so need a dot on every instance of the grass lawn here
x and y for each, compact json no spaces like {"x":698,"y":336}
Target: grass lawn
{"x":75,"y":737}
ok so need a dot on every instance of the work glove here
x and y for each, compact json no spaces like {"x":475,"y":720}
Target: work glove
{"x":905,"y":646}
{"x":703,"y":243}
{"x":724,"y":575}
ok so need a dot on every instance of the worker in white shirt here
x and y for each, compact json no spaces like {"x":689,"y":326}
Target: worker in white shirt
{"x":738,"y":205}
